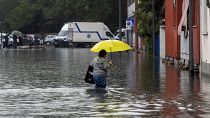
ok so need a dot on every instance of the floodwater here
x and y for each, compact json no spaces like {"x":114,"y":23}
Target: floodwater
{"x":49,"y":82}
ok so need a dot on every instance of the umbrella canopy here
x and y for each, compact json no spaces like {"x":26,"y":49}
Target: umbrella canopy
{"x":110,"y":46}
{"x":17,"y":33}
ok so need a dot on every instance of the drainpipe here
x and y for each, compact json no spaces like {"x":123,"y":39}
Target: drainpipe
{"x":191,"y":56}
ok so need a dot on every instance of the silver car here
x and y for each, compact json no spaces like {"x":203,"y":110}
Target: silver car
{"x":49,"y":39}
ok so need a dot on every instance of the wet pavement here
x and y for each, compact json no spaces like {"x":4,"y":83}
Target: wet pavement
{"x":49,"y":82}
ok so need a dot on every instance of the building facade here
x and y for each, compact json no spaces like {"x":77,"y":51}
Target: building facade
{"x":177,"y":30}
{"x":172,"y":19}
{"x":205,"y":36}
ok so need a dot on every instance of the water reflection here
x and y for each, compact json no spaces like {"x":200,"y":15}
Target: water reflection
{"x":172,"y":91}
{"x":142,"y":74}
{"x":50,"y":83}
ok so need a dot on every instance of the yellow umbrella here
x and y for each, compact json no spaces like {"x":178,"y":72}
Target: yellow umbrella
{"x":110,"y":46}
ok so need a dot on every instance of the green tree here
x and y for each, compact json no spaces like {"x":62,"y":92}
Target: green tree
{"x":36,"y":16}
{"x":6,"y":6}
{"x":5,"y":9}
{"x":20,"y":16}
{"x":144,"y":14}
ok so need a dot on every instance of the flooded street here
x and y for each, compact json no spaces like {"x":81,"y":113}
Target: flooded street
{"x":50,"y":83}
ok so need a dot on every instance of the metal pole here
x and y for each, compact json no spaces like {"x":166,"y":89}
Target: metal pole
{"x":153,"y":28}
{"x":136,"y":33}
{"x":191,"y":56}
{"x":1,"y":37}
{"x":120,"y":24}
{"x":1,"y":23}
{"x":136,"y":28}
{"x":128,"y":31}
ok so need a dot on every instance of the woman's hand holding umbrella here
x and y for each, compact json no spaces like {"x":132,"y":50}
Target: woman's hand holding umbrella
{"x":113,"y":67}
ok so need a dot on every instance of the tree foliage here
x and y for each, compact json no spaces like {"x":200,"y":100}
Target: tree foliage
{"x":36,"y":16}
{"x":144,"y":14}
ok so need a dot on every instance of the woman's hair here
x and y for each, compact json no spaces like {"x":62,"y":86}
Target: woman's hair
{"x":102,"y":53}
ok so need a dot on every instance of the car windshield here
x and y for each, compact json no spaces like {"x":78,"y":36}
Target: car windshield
{"x":51,"y":36}
{"x":63,"y":33}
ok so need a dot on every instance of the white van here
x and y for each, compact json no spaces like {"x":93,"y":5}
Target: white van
{"x":84,"y":33}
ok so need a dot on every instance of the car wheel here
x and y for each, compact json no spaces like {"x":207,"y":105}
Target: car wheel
{"x":48,"y":43}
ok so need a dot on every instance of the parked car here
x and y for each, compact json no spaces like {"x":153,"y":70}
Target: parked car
{"x":34,"y":39}
{"x":10,"y":41}
{"x":3,"y":35}
{"x":49,"y":39}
